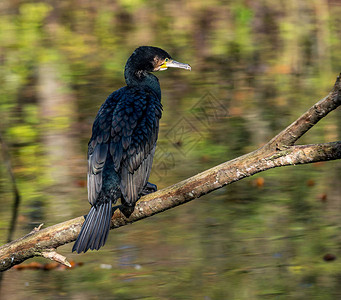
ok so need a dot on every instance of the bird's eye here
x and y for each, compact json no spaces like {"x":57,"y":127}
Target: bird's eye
{"x":166,"y":59}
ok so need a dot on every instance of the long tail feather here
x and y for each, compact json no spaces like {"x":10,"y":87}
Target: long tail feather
{"x":95,"y":229}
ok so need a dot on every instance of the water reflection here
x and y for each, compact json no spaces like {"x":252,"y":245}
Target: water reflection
{"x":256,"y":67}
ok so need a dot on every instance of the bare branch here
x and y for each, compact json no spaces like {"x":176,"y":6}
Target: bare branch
{"x":280,"y":151}
{"x":35,"y":229}
{"x":53,"y":255}
{"x":318,"y":111}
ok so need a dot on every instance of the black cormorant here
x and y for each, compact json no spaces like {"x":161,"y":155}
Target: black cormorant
{"x":122,"y":145}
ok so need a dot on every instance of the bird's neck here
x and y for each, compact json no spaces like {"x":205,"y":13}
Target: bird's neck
{"x":142,"y":79}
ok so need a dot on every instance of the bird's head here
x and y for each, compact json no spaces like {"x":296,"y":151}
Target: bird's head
{"x":152,"y":59}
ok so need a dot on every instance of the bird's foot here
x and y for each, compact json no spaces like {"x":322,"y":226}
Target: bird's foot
{"x":149,"y":188}
{"x":127,"y":210}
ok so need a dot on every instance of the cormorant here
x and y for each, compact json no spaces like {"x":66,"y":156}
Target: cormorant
{"x":122,"y":145}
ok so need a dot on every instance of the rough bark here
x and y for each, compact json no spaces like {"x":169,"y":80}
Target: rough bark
{"x":280,"y":151}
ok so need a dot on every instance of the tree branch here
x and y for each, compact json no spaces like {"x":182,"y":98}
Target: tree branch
{"x":280,"y":151}
{"x":293,"y":132}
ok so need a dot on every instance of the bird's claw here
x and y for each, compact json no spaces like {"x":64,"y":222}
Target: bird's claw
{"x":149,"y":188}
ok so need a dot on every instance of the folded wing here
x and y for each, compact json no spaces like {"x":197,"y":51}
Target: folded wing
{"x":134,"y":134}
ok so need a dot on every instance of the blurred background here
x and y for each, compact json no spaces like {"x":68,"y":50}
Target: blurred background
{"x":256,"y":67}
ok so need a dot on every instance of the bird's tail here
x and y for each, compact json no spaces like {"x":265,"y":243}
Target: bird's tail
{"x":95,"y":229}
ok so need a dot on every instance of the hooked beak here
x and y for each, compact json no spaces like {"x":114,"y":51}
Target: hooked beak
{"x":174,"y":64}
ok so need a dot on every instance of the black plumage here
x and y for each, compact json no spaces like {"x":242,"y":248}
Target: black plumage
{"x":122,"y":146}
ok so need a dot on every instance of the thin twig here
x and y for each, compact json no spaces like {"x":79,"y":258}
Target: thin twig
{"x":53,"y":255}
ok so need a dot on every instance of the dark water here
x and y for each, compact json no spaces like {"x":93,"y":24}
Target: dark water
{"x":256,"y":67}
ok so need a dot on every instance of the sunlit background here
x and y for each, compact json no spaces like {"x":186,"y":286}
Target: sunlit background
{"x":256,"y":66}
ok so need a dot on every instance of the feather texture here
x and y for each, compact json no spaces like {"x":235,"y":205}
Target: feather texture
{"x":122,"y":145}
{"x":95,"y":229}
{"x":120,"y":157}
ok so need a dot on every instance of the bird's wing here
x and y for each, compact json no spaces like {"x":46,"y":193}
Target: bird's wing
{"x":134,"y":132}
{"x":98,"y":147}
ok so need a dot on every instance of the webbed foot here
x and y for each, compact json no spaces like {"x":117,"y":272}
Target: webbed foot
{"x":149,"y":188}
{"x":127,"y":210}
